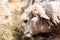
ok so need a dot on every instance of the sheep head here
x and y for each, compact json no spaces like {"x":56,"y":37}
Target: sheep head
{"x":36,"y":21}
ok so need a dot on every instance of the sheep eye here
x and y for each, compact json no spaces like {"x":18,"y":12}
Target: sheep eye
{"x":25,"y":21}
{"x":35,"y":10}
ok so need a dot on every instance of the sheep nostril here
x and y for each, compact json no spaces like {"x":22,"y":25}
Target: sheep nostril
{"x":6,"y":17}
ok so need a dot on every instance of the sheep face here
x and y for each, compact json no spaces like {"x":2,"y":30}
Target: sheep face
{"x":35,"y":23}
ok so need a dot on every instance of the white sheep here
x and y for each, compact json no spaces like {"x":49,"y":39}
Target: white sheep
{"x":35,"y":9}
{"x":46,"y":10}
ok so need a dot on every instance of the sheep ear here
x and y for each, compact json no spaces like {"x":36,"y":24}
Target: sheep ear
{"x":44,"y":16}
{"x":42,"y":12}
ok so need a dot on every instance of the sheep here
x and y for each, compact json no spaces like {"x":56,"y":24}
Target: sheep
{"x":27,"y":19}
{"x":51,"y":19}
